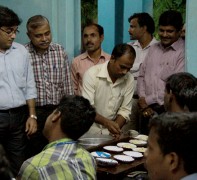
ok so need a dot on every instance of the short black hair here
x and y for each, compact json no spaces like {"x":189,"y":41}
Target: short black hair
{"x":184,"y":87}
{"x":8,"y":17}
{"x":121,"y":49}
{"x":99,"y":28}
{"x":171,"y":18}
{"x":144,"y":19}
{"x":177,"y":132}
{"x":77,"y":115}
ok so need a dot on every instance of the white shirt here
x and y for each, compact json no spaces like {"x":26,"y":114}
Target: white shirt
{"x":110,"y":99}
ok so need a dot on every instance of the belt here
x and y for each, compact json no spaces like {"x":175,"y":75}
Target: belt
{"x":49,"y":107}
{"x":14,"y":110}
{"x":135,"y":96}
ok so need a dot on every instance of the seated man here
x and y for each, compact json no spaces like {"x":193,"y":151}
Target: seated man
{"x":172,"y":147}
{"x":63,"y":158}
{"x":181,"y":93}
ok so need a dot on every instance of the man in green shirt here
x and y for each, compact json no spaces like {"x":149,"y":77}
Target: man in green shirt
{"x":63,"y":158}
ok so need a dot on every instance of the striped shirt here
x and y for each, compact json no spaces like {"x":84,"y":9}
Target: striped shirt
{"x":62,"y":159}
{"x":52,"y":75}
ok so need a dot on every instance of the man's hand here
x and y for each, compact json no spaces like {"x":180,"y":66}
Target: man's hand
{"x":31,"y":126}
{"x":113,"y":127}
{"x":148,"y":112}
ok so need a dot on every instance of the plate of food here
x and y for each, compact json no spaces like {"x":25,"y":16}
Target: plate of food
{"x":133,"y":154}
{"x":142,"y":137}
{"x":140,"y":149}
{"x":101,"y":154}
{"x":124,"y":158}
{"x":126,"y":145}
{"x":106,"y":162}
{"x":113,"y":148}
{"x":138,"y":142}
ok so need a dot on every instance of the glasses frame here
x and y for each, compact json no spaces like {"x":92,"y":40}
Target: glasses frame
{"x":12,"y":31}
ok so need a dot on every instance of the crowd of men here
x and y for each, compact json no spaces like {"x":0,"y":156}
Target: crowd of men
{"x":47,"y":105}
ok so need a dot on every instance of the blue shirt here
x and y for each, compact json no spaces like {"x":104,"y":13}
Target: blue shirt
{"x":16,"y":77}
{"x":190,"y":177}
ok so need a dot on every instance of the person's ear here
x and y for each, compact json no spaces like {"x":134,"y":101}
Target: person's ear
{"x":56,"y":116}
{"x":173,"y":161}
{"x":102,"y":38}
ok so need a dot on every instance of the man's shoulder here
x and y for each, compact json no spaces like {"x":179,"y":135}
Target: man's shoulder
{"x":80,"y":57}
{"x":19,"y":46}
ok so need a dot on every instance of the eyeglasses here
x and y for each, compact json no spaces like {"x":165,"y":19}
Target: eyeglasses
{"x":10,"y":31}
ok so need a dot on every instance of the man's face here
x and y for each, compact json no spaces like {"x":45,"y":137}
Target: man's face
{"x":135,"y":31}
{"x":155,"y":162}
{"x":7,"y":36}
{"x":168,"y":35}
{"x":40,"y":37}
{"x":91,"y":39}
{"x":119,"y":67}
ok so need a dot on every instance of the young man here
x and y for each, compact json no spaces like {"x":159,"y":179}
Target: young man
{"x":109,"y":88}
{"x":181,"y":93}
{"x":17,"y":88}
{"x":51,"y":72}
{"x":172,"y":147}
{"x":93,"y":35}
{"x":63,"y":158}
{"x":163,"y":59}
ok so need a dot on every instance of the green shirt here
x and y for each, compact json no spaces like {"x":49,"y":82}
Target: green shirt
{"x":62,"y":159}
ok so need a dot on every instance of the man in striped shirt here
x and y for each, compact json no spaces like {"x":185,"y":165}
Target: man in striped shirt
{"x":63,"y":158}
{"x":51,"y":72}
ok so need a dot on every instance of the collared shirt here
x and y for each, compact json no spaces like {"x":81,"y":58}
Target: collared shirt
{"x":80,"y":65}
{"x":52,"y":74}
{"x":190,"y":177}
{"x":110,"y":99}
{"x":62,"y":159}
{"x":16,"y":77}
{"x":158,"y":65}
{"x":140,"y":56}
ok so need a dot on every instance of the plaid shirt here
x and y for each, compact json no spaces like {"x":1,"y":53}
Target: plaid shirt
{"x":62,"y":159}
{"x":52,"y":75}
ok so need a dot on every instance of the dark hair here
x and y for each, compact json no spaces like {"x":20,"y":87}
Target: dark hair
{"x":184,"y":87}
{"x":99,"y":27}
{"x":8,"y":17}
{"x":171,"y":18}
{"x":177,"y":133}
{"x":144,"y":19}
{"x":35,"y":21}
{"x":5,"y":172}
{"x":121,"y":49}
{"x":77,"y":115}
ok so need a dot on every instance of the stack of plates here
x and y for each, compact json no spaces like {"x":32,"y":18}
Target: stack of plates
{"x":106,"y":162}
{"x":126,"y":145}
{"x":114,"y":149}
{"x":133,"y":154}
{"x":100,"y":154}
{"x":124,"y":158}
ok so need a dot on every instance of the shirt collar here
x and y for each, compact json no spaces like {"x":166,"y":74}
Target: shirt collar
{"x":175,"y":46}
{"x":54,"y":143}
{"x":31,"y":47}
{"x":105,"y":74}
{"x":136,"y":43}
{"x":85,"y":55}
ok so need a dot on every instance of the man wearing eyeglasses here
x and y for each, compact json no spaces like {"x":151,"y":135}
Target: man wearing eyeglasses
{"x":17,"y":88}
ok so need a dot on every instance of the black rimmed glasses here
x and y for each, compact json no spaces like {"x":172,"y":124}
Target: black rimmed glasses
{"x":10,"y":31}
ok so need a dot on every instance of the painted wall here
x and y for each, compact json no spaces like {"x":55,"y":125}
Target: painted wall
{"x":113,"y":16}
{"x":64,"y":17}
{"x":191,"y":37}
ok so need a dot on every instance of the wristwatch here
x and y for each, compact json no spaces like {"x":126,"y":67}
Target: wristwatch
{"x":33,"y":116}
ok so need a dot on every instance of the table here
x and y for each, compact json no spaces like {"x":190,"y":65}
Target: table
{"x":119,"y":171}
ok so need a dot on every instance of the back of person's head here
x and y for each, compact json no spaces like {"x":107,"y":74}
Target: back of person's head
{"x":171,"y":18}
{"x":5,"y":172}
{"x":77,"y":116}
{"x":122,"y":49}
{"x":176,"y":132}
{"x":36,"y":21}
{"x":144,"y":19}
{"x":8,"y":17}
{"x":99,"y":27}
{"x":183,"y":86}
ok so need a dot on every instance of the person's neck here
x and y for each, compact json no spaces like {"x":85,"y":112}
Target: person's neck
{"x":95,"y":55}
{"x":56,"y":137}
{"x":145,"y":40}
